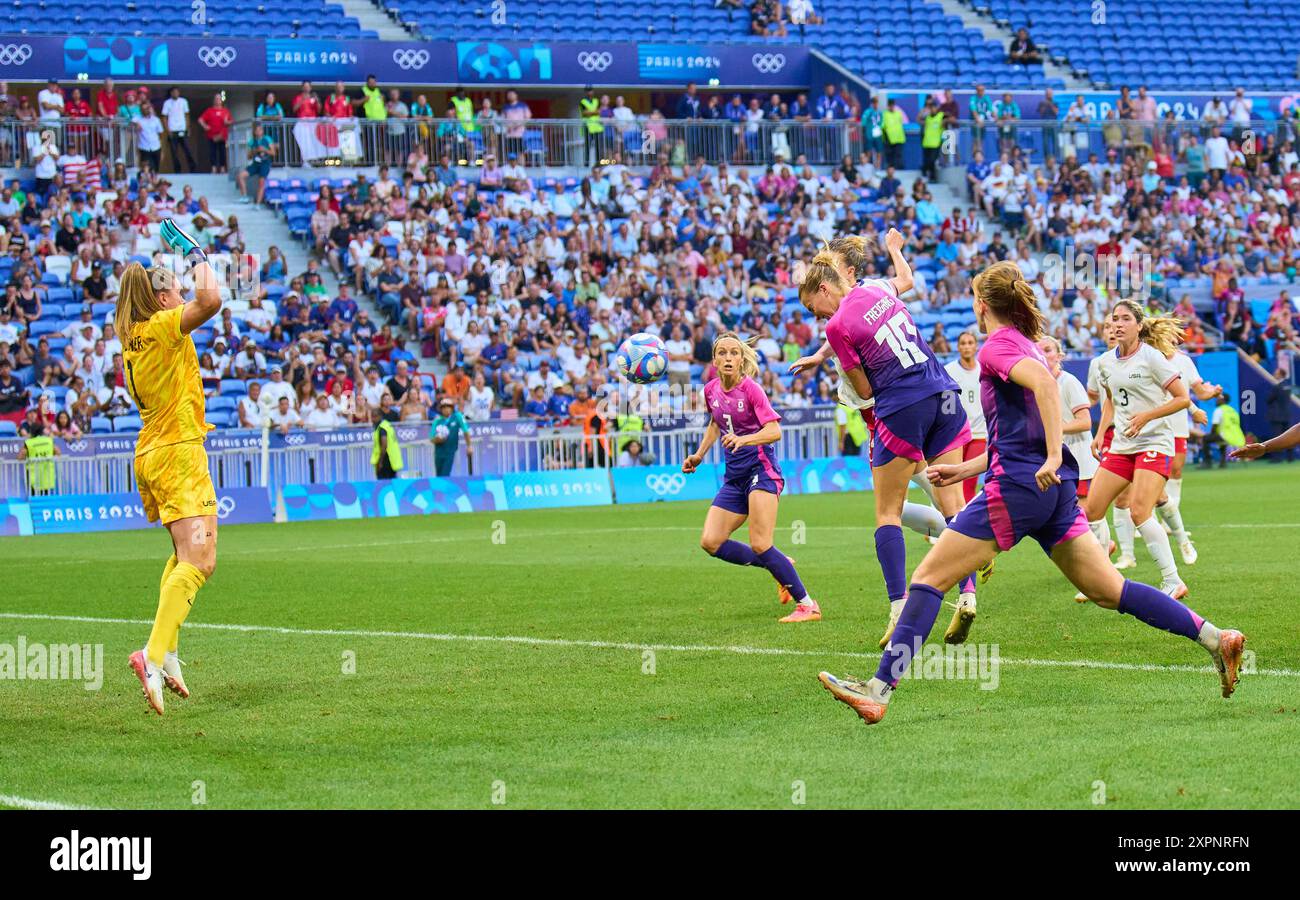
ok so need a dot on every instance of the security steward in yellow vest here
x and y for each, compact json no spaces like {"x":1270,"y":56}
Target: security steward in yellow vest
{"x":386,"y":450}
{"x":595,"y":129}
{"x":39,"y":451}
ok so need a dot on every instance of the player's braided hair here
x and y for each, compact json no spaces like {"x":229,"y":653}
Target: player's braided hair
{"x":748,"y":355}
{"x":1003,"y":289}
{"x":1164,"y":333}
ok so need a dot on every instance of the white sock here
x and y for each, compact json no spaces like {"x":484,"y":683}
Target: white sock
{"x":924,"y":484}
{"x":1158,"y":546}
{"x":1124,"y":531}
{"x":878,"y":690}
{"x":1101,"y":531}
{"x":923,"y":519}
{"x":1208,"y":637}
{"x":1170,"y":515}
{"x":1174,"y":488}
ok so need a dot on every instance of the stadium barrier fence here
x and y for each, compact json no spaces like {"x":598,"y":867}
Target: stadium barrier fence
{"x":88,"y":137}
{"x":566,"y":143}
{"x":240,"y":459}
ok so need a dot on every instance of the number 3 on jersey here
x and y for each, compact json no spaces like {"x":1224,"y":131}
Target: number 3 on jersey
{"x":895,"y":333}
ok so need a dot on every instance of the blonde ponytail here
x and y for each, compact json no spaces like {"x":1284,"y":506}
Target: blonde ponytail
{"x":855,"y":252}
{"x":821,"y":270}
{"x":1003,"y":289}
{"x":137,"y":301}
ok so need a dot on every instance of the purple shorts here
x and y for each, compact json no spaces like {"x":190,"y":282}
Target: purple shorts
{"x":923,"y":430}
{"x":733,"y":496}
{"x":1006,"y":511}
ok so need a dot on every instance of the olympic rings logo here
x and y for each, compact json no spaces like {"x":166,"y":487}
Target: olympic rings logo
{"x":293,"y":440}
{"x":225,"y":506}
{"x":408,"y":59}
{"x":768,"y":63}
{"x":525,"y":428}
{"x":595,"y":62}
{"x":666,"y":484}
{"x":15,"y":54}
{"x":217,"y":57}
{"x":76,"y":446}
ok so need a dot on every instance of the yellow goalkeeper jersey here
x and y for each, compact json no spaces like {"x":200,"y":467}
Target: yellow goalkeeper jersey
{"x":162,"y":374}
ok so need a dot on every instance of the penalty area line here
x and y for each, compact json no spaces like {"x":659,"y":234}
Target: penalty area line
{"x":739,"y":650}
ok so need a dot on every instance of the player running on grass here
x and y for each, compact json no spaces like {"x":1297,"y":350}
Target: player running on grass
{"x":171,"y":466}
{"x":1029,"y":492}
{"x":741,"y":415}
{"x":966,"y":372}
{"x":1168,"y":506}
{"x":1123,"y":521}
{"x":1142,"y":388}
{"x":917,"y":413}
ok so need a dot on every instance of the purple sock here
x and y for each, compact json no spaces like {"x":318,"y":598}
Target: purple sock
{"x":967,"y":585}
{"x":1159,"y":610}
{"x":783,"y":571}
{"x":913,"y":627}
{"x":737,"y":553}
{"x":891,"y":553}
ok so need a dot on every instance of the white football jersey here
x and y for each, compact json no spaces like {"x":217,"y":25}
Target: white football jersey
{"x":1138,"y":383}
{"x":848,"y":396}
{"x":969,"y":382}
{"x":1182,"y":420}
{"x":1074,"y":396}
{"x":1094,"y":384}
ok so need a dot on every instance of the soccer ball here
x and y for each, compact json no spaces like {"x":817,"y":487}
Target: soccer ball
{"x":442,"y":432}
{"x":642,"y":358}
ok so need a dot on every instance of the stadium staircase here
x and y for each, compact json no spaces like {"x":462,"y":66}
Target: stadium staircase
{"x":371,"y":16}
{"x":966,"y":10}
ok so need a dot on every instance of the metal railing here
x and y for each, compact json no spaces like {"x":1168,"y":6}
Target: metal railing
{"x":548,"y":449}
{"x":647,"y":141}
{"x":114,"y":138}
{"x":548,"y":142}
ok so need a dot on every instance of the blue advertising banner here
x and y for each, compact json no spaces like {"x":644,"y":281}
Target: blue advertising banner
{"x":647,"y":484}
{"x":399,"y":497}
{"x":15,"y":518}
{"x":75,"y":513}
{"x":829,"y":475}
{"x":562,"y":487}
{"x":483,"y":61}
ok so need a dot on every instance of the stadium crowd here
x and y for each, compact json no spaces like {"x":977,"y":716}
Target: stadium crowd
{"x":524,"y":285}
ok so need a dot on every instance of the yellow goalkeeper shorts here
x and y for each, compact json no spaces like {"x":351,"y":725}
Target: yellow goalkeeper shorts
{"x":174,"y":483}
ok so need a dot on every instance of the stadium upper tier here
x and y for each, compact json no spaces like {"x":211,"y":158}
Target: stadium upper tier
{"x":1167,"y":44}
{"x":914,"y":44}
{"x":232,"y":18}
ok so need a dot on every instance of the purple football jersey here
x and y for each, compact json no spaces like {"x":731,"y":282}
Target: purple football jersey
{"x":1017,"y":444}
{"x":743,"y":410}
{"x":873,"y":329}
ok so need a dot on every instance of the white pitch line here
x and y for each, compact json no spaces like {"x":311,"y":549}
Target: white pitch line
{"x":624,"y":645}
{"x":25,"y":803}
{"x":516,"y":533}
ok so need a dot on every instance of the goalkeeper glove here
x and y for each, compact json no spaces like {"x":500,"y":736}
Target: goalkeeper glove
{"x":176,"y":238}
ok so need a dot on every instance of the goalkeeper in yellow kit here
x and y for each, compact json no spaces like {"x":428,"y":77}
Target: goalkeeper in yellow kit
{"x":154,"y":324}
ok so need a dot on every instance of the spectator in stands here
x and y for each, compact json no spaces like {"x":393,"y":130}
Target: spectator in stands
{"x":45,"y":160}
{"x":283,"y":417}
{"x":802,"y":13}
{"x":249,"y":408}
{"x":149,"y":131}
{"x":1023,"y":51}
{"x":215,"y":122}
{"x":261,"y":151}
{"x":14,"y":396}
{"x":765,"y":18}
{"x":176,"y":112}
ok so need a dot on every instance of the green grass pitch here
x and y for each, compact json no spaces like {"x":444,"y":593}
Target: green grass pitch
{"x":501,"y":660}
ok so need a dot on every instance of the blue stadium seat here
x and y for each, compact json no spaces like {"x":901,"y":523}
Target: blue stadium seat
{"x":127,"y":423}
{"x":101,"y":425}
{"x":7,"y":428}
